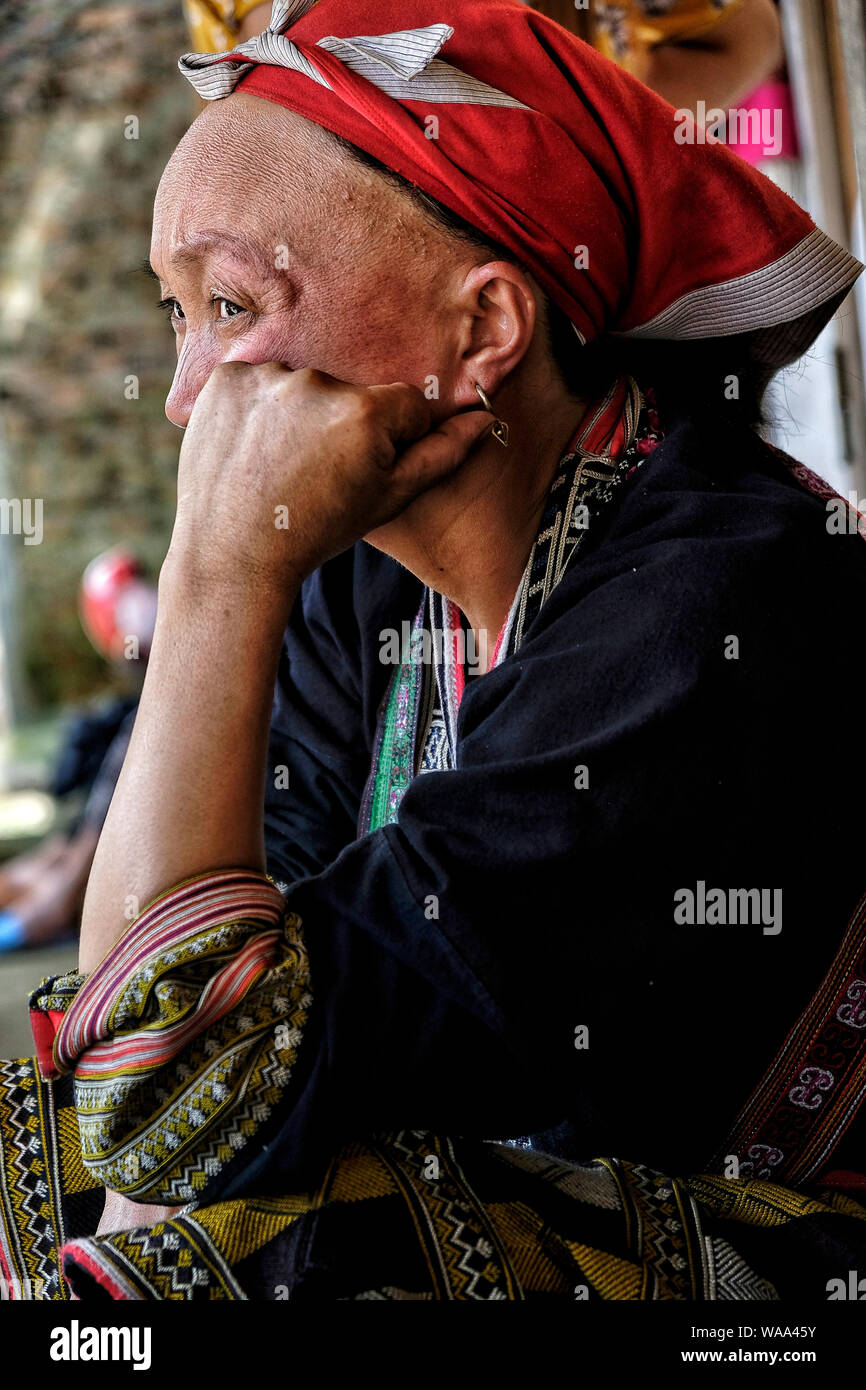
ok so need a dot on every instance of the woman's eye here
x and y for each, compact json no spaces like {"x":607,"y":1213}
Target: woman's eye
{"x":227,"y":308}
{"x":172,"y":308}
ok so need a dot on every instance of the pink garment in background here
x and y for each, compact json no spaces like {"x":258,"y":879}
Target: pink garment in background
{"x":771,"y":96}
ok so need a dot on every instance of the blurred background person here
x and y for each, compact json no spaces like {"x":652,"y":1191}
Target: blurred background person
{"x":41,"y":891}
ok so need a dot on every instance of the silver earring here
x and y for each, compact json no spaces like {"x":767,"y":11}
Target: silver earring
{"x":500,"y":429}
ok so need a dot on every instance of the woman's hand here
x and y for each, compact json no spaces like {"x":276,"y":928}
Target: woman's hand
{"x":280,"y":470}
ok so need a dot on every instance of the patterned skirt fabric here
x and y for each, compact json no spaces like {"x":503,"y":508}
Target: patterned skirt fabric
{"x":411,"y":1216}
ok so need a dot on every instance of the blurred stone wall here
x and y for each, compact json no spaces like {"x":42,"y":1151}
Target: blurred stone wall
{"x":77,"y":316}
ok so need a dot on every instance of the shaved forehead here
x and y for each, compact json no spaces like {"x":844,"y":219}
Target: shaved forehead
{"x":268,"y":177}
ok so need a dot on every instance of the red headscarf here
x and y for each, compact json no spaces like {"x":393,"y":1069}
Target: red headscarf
{"x":555,"y":152}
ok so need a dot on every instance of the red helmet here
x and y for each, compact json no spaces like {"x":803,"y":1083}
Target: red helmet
{"x":118,"y":606}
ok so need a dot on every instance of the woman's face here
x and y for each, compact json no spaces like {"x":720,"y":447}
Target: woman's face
{"x":270,"y":244}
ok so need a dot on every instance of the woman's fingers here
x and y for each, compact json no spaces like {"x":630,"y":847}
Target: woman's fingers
{"x":403,"y":409}
{"x":442,"y":450}
{"x":281,"y":469}
{"x":408,"y":418}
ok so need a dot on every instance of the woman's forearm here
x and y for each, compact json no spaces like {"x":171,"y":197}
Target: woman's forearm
{"x":190,"y":795}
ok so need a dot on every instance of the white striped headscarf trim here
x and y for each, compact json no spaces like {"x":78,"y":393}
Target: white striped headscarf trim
{"x":783,"y":305}
{"x":403,"y":64}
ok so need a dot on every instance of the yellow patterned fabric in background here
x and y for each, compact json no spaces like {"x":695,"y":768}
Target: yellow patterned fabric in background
{"x":213,"y":24}
{"x":627,"y":30}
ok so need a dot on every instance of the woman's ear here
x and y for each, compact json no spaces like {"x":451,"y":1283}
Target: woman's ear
{"x":501,"y":317}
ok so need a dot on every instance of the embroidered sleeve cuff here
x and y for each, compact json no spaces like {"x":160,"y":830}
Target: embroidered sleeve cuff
{"x":184,"y":1037}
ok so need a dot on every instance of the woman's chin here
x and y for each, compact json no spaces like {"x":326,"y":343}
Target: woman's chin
{"x":393,"y":536}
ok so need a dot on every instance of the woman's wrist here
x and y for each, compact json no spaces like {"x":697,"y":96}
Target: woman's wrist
{"x":190,"y":579}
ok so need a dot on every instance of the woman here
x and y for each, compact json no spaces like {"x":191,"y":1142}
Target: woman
{"x":546,"y":855}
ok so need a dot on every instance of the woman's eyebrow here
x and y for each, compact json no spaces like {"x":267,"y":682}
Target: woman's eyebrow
{"x":198,"y":251}
{"x":200,"y":247}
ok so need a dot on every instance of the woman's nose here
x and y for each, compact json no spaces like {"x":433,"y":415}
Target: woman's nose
{"x":194,"y":366}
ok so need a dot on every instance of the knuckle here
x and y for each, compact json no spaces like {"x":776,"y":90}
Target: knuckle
{"x":412,"y":393}
{"x":417,"y":406}
{"x":365,"y":409}
{"x":311,"y":379}
{"x":269,"y":369}
{"x":224,"y":378}
{"x":352,"y":409}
